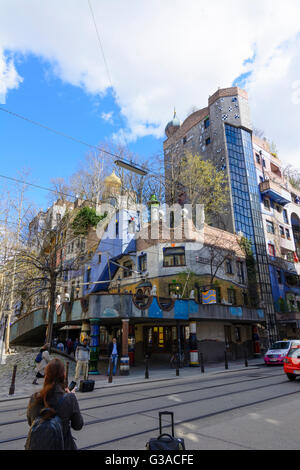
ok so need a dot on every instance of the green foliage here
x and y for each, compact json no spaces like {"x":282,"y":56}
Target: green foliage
{"x":86,"y":218}
{"x":204,"y":183}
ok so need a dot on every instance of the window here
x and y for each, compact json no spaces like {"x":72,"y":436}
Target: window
{"x":174,"y":257}
{"x":117,"y":228}
{"x":231,"y":296}
{"x":271,"y":249}
{"x":257,"y":157}
{"x":128,"y":269}
{"x":88,"y":275}
{"x":206,"y":123}
{"x":278,"y":208}
{"x":288,"y":235}
{"x":207,"y":142}
{"x":228,"y":265}
{"x":237,"y":334}
{"x":267,"y":204}
{"x":245,"y":299}
{"x":264,"y":163}
{"x":184,"y":140}
{"x":278,"y":272}
{"x":270,"y":227}
{"x":58,"y":218}
{"x":143,"y":263}
{"x":285,"y":216}
{"x":241,"y":272}
{"x":281,"y":230}
{"x":99,"y":259}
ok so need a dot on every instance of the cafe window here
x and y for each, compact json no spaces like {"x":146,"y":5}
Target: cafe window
{"x":173,"y":257}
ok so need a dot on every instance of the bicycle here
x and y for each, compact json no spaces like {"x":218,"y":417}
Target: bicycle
{"x":174,"y":360}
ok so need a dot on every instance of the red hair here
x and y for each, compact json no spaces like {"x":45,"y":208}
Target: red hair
{"x":54,"y":375}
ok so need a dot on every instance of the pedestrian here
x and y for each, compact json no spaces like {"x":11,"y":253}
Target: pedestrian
{"x":82,"y":357}
{"x":76,"y":342}
{"x":53,"y":400}
{"x":113,"y":352}
{"x":60,"y":346}
{"x":41,"y":360}
{"x":69,"y":346}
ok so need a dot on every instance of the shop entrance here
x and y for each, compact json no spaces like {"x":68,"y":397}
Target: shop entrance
{"x":164,"y":339}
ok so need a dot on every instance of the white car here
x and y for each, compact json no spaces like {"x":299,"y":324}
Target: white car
{"x":279,"y":350}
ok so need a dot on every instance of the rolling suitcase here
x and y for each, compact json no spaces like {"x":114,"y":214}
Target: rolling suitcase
{"x":86,"y":385}
{"x":165,"y":441}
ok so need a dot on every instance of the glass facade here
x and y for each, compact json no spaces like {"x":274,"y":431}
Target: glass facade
{"x":247,"y":210}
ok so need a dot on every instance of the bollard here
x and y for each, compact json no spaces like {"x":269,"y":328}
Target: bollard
{"x":13,"y":380}
{"x":110,"y":371}
{"x":246,"y":358}
{"x":177,"y":365}
{"x":67,"y":374}
{"x":202,"y":363}
{"x":147,"y":367}
{"x":226,"y":361}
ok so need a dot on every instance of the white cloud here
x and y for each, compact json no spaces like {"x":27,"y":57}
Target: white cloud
{"x":108,"y":117}
{"x":9,"y":77}
{"x":170,"y":53}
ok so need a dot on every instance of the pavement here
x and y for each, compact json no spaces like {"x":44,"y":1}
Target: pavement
{"x":24,"y":359}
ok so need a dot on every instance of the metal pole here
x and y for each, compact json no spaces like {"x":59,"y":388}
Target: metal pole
{"x":202,"y":363}
{"x":147,"y":367}
{"x":13,"y":380}
{"x":246,"y":358}
{"x":110,"y":379}
{"x":226,"y":360}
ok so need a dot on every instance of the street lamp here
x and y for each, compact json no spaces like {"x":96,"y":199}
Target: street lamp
{"x":131,"y":167}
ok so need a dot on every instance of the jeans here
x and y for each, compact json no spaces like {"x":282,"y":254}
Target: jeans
{"x":114,"y":359}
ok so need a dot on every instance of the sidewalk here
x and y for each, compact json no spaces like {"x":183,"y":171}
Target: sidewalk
{"x":24,"y":387}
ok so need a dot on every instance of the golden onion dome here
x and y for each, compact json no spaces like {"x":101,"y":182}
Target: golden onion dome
{"x":112,"y":180}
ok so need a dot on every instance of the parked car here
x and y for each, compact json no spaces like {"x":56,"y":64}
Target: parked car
{"x":291,"y":363}
{"x":279,"y":350}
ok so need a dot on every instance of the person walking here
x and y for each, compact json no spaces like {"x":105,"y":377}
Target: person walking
{"x":82,"y":357}
{"x":54,"y":400}
{"x":41,"y":360}
{"x":113,"y":352}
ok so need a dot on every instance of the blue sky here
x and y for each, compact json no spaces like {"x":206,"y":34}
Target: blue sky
{"x":164,"y":56}
{"x":45,"y":98}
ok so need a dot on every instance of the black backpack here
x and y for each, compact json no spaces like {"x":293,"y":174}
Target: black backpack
{"x":46,"y":434}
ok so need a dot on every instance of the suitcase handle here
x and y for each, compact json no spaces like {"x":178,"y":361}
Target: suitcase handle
{"x":165,"y":435}
{"x":169,"y":413}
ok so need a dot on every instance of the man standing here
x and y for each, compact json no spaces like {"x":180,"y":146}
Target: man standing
{"x":82,"y":357}
{"x":113,"y":351}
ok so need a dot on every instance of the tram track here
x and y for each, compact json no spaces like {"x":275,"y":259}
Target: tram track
{"x":154,"y":388}
{"x":173,"y":405}
{"x":186,"y":421}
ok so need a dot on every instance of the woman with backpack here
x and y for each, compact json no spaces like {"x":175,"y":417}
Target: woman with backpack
{"x":41,"y":360}
{"x":52,"y":412}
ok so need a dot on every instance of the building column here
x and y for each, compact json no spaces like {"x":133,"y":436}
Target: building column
{"x":194,"y":353}
{"x":94,"y":346}
{"x":124,"y":360}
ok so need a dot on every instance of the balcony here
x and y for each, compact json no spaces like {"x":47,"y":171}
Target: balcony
{"x":275,"y":192}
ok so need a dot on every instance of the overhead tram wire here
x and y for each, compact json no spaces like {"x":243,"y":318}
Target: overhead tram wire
{"x":82,"y":142}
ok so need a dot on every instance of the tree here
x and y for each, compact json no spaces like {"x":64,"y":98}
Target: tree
{"x":202,"y":183}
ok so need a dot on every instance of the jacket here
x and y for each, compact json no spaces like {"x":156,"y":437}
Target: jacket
{"x":68,"y":411}
{"x":82,"y":353}
{"x":111,"y":346}
{"x":40,"y":366}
